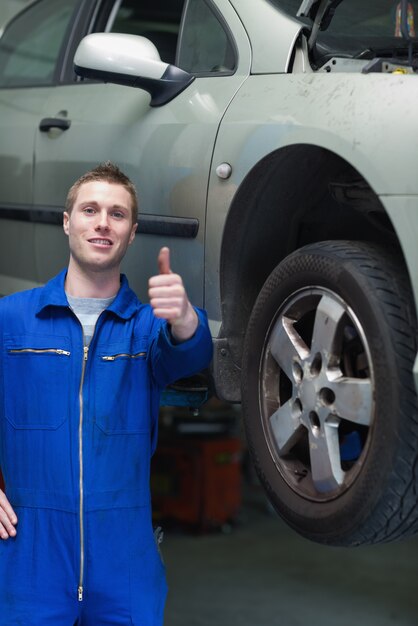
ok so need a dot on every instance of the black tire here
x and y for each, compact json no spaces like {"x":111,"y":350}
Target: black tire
{"x":329,"y":402}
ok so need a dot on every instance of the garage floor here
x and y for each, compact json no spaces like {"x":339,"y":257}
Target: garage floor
{"x":263,"y":574}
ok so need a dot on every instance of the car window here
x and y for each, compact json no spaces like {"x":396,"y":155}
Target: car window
{"x":158,"y":20}
{"x":205,"y":44}
{"x":30,"y":46}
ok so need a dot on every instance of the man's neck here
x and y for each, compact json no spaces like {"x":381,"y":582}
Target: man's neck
{"x":83,"y":284}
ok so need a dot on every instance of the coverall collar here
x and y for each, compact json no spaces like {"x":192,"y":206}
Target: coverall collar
{"x":53,"y":294}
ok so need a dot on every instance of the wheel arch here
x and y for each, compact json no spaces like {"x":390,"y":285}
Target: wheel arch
{"x":296,"y":195}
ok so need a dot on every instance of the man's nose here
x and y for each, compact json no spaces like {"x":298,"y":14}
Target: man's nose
{"x":103,"y":221}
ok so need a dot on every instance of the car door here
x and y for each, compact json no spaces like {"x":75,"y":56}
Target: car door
{"x":166,"y":150}
{"x":30,"y":50}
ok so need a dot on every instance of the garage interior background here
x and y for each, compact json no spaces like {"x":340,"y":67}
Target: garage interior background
{"x":229,"y":558}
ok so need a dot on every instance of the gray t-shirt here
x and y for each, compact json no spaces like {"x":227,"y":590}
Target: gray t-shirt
{"x":88,"y":310}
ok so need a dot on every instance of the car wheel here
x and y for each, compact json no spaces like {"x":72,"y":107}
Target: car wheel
{"x":329,"y":403}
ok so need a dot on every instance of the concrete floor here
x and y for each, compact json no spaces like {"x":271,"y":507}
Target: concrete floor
{"x":263,"y":574}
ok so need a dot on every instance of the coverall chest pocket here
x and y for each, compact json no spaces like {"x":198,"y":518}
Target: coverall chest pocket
{"x":36,"y":379}
{"x":122,"y":389}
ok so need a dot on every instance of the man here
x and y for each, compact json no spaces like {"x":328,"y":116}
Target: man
{"x":82,"y":367}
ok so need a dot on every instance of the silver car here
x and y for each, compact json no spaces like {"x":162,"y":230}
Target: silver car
{"x":273,"y":147}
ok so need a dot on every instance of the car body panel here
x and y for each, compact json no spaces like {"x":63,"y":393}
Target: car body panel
{"x":20,"y":114}
{"x":273,"y":35}
{"x":305,"y":109}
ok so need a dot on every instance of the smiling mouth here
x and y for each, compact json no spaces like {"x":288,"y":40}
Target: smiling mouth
{"x":101,"y":242}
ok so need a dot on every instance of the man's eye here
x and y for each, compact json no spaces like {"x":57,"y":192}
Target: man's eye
{"x":89,"y":210}
{"x":118,"y":214}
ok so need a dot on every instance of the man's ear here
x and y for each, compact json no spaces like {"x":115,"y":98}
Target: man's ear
{"x":65,"y":223}
{"x":133,"y":231}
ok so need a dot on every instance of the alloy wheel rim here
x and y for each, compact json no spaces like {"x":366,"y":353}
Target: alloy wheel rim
{"x":317,"y":393}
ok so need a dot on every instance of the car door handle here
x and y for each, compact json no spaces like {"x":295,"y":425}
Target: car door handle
{"x":54,"y":122}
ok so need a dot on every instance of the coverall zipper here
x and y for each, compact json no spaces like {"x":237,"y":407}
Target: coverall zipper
{"x":138,"y":355}
{"x":81,"y":477}
{"x":80,"y":589}
{"x":41,"y":350}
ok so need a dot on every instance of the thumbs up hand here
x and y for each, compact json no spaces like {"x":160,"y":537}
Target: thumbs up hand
{"x":169,"y":299}
{"x":164,"y":261}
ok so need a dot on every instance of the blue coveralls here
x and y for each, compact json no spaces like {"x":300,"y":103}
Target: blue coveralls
{"x":77,"y":430}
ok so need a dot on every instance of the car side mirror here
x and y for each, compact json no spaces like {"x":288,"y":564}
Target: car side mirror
{"x":130,"y":60}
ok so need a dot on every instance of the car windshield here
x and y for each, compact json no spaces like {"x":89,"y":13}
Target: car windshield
{"x":362,"y":25}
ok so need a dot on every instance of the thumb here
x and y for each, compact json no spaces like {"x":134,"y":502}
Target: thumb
{"x":164,"y":261}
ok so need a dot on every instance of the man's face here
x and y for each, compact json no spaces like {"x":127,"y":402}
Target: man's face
{"x":100,"y":226}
